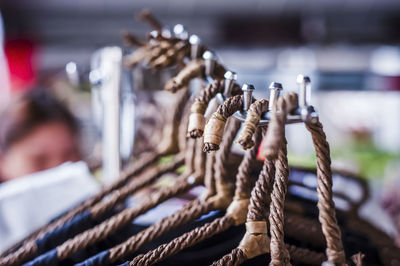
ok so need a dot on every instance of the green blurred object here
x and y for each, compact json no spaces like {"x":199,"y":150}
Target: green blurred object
{"x":369,"y":159}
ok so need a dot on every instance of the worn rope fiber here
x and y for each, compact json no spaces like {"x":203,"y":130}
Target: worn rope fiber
{"x":193,"y":69}
{"x":112,"y":224}
{"x":326,"y":206}
{"x":252,"y":119}
{"x":276,"y":128}
{"x":257,"y":211}
{"x":275,"y":148}
{"x":301,"y":255}
{"x":186,"y":240}
{"x":222,"y":179}
{"x":243,"y":188}
{"x":172,"y":55}
{"x":216,"y":124}
{"x":192,"y":210}
{"x":278,"y":250}
{"x":199,"y":107}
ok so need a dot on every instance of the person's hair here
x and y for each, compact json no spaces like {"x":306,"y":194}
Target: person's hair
{"x":28,"y":111}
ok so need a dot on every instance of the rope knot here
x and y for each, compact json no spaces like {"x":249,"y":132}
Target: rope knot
{"x":249,"y":127}
{"x":196,"y":119}
{"x":256,"y":241}
{"x":213,"y":132}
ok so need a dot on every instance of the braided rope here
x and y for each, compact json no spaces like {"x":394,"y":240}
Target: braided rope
{"x":244,"y":182}
{"x":301,"y":255}
{"x":276,"y":129}
{"x":326,"y":206}
{"x":279,"y":253}
{"x":172,"y":55}
{"x":199,"y":107}
{"x":186,"y":240}
{"x":193,"y":69}
{"x":190,"y":211}
{"x":215,"y":126}
{"x":233,"y":214}
{"x":252,"y":119}
{"x":112,"y":224}
{"x":236,"y":257}
{"x":124,"y":192}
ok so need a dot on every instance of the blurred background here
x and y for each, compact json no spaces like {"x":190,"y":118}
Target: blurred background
{"x":350,"y":49}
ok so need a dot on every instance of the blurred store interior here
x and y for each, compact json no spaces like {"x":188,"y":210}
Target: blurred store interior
{"x":350,"y":50}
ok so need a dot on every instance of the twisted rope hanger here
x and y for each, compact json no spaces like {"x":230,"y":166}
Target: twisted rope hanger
{"x":235,"y":215}
{"x":199,"y":107}
{"x":214,"y":128}
{"x":326,"y":206}
{"x":256,"y":241}
{"x":191,"y":211}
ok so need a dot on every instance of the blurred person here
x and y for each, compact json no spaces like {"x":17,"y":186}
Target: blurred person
{"x":37,"y":132}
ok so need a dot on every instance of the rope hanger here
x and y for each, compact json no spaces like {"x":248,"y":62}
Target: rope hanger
{"x":258,"y":203}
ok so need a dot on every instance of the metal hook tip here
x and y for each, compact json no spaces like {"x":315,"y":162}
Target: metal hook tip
{"x":275,"y":86}
{"x":248,"y":87}
{"x":303,"y":79}
{"x":230,"y":75}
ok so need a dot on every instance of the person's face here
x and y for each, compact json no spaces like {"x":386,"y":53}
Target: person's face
{"x":47,"y":146}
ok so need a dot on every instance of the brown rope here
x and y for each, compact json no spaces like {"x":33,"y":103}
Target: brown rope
{"x":215,"y":126}
{"x":222,"y":179}
{"x":244,"y":182}
{"x":193,"y":69}
{"x":276,"y":128}
{"x":186,"y":240}
{"x":209,"y":181}
{"x":192,"y":210}
{"x":252,"y":119}
{"x":146,"y":16}
{"x":279,"y":253}
{"x":121,"y":194}
{"x":236,"y":257}
{"x":133,"y":59}
{"x":275,"y":148}
{"x":231,"y":218}
{"x":172,"y":55}
{"x":112,"y":224}
{"x":326,"y":206}
{"x":199,"y":107}
{"x":159,"y":49}
{"x":182,"y":126}
{"x":301,"y":255}
{"x":170,"y":142}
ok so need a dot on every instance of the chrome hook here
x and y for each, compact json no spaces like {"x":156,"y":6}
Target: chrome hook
{"x":230,"y":79}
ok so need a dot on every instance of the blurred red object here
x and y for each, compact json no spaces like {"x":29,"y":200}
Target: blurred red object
{"x":20,"y":56}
